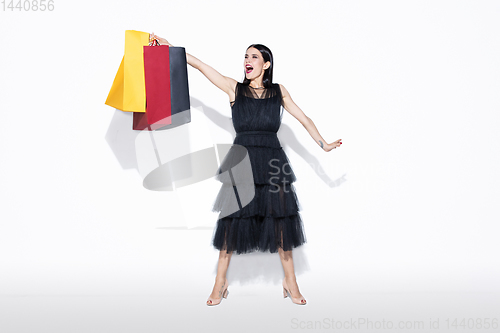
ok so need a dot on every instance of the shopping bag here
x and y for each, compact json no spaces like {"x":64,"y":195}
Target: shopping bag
{"x":157,"y":79}
{"x":128,"y":92}
{"x":167,"y":89}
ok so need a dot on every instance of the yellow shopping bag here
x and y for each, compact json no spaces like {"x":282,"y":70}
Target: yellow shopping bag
{"x":128,"y":92}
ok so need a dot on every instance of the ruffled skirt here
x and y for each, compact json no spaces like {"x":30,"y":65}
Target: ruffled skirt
{"x":257,"y":202}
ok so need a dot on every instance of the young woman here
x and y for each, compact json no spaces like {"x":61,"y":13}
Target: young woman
{"x":270,"y":221}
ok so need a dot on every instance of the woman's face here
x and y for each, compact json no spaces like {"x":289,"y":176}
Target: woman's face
{"x":254,"y":63}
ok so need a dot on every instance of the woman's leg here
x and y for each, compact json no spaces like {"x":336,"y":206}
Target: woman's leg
{"x":222,"y":267}
{"x":287,"y":262}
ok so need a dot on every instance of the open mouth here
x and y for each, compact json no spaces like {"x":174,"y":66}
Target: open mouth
{"x":248,"y":68}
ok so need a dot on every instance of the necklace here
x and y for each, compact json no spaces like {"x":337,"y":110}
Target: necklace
{"x":257,"y":87}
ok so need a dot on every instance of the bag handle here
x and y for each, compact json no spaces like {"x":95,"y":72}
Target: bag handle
{"x":153,"y":41}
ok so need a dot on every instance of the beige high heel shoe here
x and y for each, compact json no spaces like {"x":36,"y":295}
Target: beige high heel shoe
{"x":296,"y":300}
{"x":223,"y":291}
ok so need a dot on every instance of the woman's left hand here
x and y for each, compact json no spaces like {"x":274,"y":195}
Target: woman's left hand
{"x":333,"y":145}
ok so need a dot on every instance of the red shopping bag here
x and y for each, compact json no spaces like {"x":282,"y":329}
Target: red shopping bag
{"x":158,"y":91}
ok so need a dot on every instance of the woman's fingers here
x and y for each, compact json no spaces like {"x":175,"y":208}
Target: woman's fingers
{"x":336,"y":144}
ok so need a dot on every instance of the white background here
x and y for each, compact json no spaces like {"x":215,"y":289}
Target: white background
{"x":411,"y":87}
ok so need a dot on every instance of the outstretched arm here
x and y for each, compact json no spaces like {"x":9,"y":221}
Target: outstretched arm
{"x":224,"y":83}
{"x":307,"y":122}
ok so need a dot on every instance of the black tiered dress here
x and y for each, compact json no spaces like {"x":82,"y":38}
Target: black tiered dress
{"x":258,"y":205}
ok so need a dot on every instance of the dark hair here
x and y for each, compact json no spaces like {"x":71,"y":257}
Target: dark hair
{"x":267,"y":80}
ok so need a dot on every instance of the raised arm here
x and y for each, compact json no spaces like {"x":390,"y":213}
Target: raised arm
{"x":307,"y":122}
{"x":226,"y":84}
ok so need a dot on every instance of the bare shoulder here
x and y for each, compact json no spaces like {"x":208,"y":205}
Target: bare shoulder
{"x":232,"y":88}
{"x":284,"y":92}
{"x":231,"y":83}
{"x":285,"y":97}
